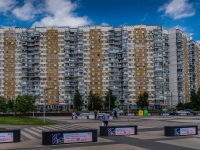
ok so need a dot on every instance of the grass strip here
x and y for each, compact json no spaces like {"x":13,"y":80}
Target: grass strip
{"x":24,"y":121}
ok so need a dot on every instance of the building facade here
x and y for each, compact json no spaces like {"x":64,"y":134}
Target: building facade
{"x":129,"y":60}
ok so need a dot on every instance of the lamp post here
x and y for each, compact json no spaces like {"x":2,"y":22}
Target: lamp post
{"x":87,"y":95}
{"x":92,"y":105}
{"x":70,"y":95}
{"x":171,"y":99}
{"x":58,"y":97}
{"x":128,"y":101}
{"x":128,"y":109}
{"x":109,"y":99}
{"x":44,"y":103}
{"x":73,"y":94}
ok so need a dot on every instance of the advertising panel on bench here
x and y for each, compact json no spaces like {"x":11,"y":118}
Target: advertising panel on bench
{"x":81,"y":117}
{"x":62,"y":138}
{"x":121,"y":131}
{"x":6,"y":137}
{"x":185,"y":131}
{"x":182,"y":114}
{"x":165,"y":114}
{"x":91,"y":116}
{"x":100,"y":117}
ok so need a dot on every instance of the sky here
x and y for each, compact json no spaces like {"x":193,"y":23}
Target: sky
{"x":183,"y":14}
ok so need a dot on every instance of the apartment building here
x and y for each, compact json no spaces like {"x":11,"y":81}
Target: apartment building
{"x":184,"y":66}
{"x":128,"y":60}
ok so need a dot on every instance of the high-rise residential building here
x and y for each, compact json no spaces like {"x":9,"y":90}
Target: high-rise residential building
{"x":129,"y":60}
{"x":184,"y":65}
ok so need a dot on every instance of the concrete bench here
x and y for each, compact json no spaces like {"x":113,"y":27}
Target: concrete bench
{"x":182,"y":114}
{"x":118,"y":130}
{"x":101,"y":117}
{"x":130,"y":114}
{"x":9,"y":136}
{"x":196,"y":114}
{"x":82,"y":117}
{"x":69,"y":136}
{"x":181,"y":130}
{"x":164,"y":114}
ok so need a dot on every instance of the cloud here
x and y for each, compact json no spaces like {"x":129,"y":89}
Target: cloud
{"x":181,"y":28}
{"x":186,"y":30}
{"x":61,"y":13}
{"x":104,"y":24}
{"x":27,"y":11}
{"x":145,"y":17}
{"x":178,"y":9}
{"x":47,"y":12}
{"x":2,"y":26}
{"x":7,"y":5}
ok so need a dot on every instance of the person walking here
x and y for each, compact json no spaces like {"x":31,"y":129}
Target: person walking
{"x":115,"y":114}
{"x":95,"y":114}
{"x":74,"y":115}
{"x":105,"y":119}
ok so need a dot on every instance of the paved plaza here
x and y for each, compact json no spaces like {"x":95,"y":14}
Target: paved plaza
{"x":150,"y":134}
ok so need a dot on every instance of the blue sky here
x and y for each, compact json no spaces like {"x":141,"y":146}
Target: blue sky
{"x":183,"y":14}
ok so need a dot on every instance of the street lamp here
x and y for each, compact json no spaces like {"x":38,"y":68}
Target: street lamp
{"x":87,"y":99}
{"x":44,"y":103}
{"x":59,"y":89}
{"x":128,"y":101}
{"x":109,"y":98}
{"x":70,"y":100}
{"x":73,"y":94}
{"x":128,"y":109}
{"x":92,"y":105}
{"x":171,"y":99}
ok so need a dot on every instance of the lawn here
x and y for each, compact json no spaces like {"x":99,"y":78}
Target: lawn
{"x":24,"y":121}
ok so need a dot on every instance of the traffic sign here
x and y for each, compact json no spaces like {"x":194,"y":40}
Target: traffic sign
{"x":117,"y":102}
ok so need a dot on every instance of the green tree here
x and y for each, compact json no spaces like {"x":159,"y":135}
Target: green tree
{"x":95,"y":101}
{"x":143,"y":100}
{"x":188,"y":105}
{"x":3,"y":104}
{"x":25,"y":104}
{"x":10,"y":105}
{"x":195,"y":99}
{"x":78,"y":102}
{"x":113,"y":98}
{"x":180,"y":106}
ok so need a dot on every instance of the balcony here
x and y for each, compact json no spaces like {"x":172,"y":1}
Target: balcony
{"x":178,"y":39}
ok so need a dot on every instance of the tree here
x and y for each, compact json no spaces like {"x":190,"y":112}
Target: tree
{"x":10,"y":105}
{"x":3,"y":104}
{"x":95,"y":102}
{"x":188,"y":105}
{"x":180,"y":106}
{"x":113,"y":98}
{"x":25,"y":104}
{"x":195,"y":99}
{"x":143,"y":100}
{"x":78,"y":100}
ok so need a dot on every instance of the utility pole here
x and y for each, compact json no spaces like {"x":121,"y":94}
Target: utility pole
{"x":171,"y":99}
{"x":44,"y":103}
{"x":59,"y":97}
{"x":44,"y":107}
{"x":109,"y":99}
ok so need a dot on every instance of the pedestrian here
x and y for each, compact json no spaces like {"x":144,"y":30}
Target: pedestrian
{"x":105,"y":119}
{"x":115,"y":114}
{"x":74,"y":115}
{"x":112,"y":113}
{"x":95,"y":114}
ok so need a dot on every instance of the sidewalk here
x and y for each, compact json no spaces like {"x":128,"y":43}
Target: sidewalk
{"x":150,"y":135}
